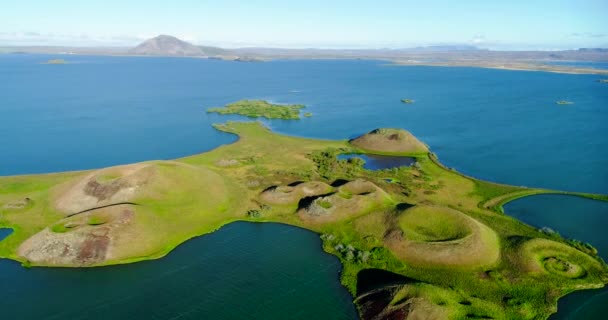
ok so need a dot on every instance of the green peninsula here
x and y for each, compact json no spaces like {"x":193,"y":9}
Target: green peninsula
{"x":423,"y":240}
{"x":262,"y":108}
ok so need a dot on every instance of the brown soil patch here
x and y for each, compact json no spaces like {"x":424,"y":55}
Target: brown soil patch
{"x":391,"y":303}
{"x":80,"y":243}
{"x":390,"y":140}
{"x":104,"y":187}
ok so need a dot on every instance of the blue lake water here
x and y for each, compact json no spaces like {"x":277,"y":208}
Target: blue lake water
{"x":215,"y":276}
{"x":576,"y":218}
{"x":377,"y":162}
{"x":497,"y":125}
{"x":5,"y":232}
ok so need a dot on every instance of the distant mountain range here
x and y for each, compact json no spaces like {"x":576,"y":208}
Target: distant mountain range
{"x":164,"y":45}
{"x":446,"y":55}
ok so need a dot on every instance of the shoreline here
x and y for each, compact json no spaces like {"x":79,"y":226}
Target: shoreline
{"x":358,"y":220}
{"x":393,"y":61}
{"x":497,"y":66}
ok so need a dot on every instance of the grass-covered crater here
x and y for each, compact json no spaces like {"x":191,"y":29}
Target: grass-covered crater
{"x":441,"y":234}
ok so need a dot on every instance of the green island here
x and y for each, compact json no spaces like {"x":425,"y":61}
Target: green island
{"x":262,"y":108}
{"x":408,"y":101}
{"x":56,"y":61}
{"x":422,"y":240}
{"x":564,"y":102}
{"x":603,"y":80}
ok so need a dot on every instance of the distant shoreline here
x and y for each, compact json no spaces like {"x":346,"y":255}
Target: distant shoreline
{"x":508,"y":66}
{"x":514,"y":65}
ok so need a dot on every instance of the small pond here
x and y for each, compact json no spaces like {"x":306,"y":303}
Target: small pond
{"x":377,"y":162}
{"x":5,"y":232}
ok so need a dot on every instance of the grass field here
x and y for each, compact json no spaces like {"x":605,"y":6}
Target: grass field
{"x":440,"y":231}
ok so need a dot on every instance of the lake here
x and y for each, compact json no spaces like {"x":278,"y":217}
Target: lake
{"x":576,"y":218}
{"x":497,"y":125}
{"x":242,"y":271}
{"x":5,"y":232}
{"x":378,"y":162}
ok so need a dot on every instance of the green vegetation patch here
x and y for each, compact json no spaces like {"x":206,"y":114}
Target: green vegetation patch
{"x":59,"y":228}
{"x":262,"y":108}
{"x":427,"y":223}
{"x":434,"y":236}
{"x":564,"y":102}
{"x":95,"y":221}
{"x":554,"y":258}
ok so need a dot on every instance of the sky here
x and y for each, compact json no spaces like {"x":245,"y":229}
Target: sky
{"x":500,"y":25}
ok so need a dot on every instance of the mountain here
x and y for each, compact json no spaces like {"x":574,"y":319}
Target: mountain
{"x":164,"y":45}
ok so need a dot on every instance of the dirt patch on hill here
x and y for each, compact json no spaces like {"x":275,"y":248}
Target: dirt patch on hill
{"x":393,"y":302}
{"x":104,"y":187}
{"x":390,"y":140}
{"x":83,"y":240}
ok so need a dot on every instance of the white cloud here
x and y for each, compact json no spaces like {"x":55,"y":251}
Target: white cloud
{"x":25,"y":38}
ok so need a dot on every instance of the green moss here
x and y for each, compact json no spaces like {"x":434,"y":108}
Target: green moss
{"x":94,"y":221}
{"x":59,"y":228}
{"x":324,"y":204}
{"x":261,"y":108}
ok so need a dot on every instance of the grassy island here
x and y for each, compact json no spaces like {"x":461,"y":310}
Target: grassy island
{"x":603,"y":80}
{"x":564,"y":102}
{"x":262,"y":108}
{"x":408,"y":101}
{"x":428,"y":241}
{"x":56,"y":61}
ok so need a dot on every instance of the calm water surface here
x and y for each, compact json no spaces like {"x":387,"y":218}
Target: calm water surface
{"x":5,"y":232}
{"x":378,"y":162}
{"x":576,"y":218}
{"x":497,"y":125}
{"x":242,"y":271}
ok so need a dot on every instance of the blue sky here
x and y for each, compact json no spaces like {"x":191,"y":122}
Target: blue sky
{"x":515,"y":24}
